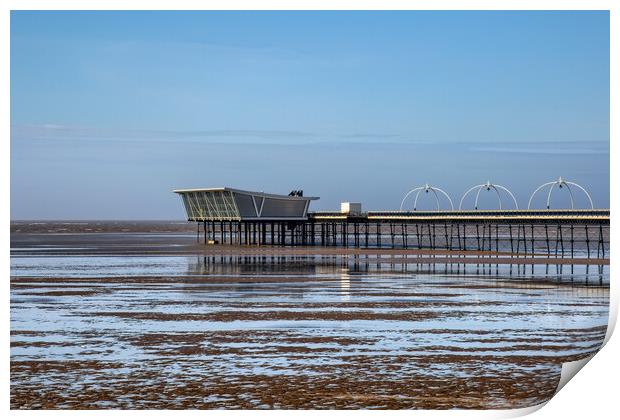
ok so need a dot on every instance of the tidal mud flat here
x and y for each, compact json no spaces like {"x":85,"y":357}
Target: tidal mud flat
{"x":104,"y":328}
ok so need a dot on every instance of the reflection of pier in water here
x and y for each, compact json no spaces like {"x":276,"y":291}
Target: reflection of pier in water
{"x":346,"y":267}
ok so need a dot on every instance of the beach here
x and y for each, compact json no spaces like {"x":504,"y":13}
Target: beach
{"x":140,"y":315}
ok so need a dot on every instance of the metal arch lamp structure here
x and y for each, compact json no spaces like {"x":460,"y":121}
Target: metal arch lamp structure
{"x":488,"y":187}
{"x":426,"y":188}
{"x":560,"y":183}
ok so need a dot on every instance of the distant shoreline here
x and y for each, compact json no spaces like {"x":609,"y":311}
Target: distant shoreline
{"x":94,"y":226}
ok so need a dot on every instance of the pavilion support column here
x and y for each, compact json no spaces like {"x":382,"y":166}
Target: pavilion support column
{"x":327,"y":229}
{"x":271,"y":232}
{"x":328,"y":234}
{"x":259,"y":238}
{"x":258,"y":233}
{"x":329,"y":237}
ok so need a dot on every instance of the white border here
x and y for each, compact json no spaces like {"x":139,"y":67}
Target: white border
{"x":592,"y":394}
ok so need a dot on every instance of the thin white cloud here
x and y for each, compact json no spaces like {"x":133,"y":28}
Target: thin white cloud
{"x":53,"y":132}
{"x":542,"y":151}
{"x":58,"y":132}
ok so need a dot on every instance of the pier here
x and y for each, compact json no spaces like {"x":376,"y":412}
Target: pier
{"x":238,"y":217}
{"x":558,"y":233}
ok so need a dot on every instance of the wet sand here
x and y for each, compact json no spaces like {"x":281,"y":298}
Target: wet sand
{"x":127,"y":323}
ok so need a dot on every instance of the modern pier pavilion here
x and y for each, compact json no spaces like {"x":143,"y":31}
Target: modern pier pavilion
{"x":238,"y":217}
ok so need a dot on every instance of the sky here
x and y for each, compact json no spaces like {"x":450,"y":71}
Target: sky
{"x":111,"y":111}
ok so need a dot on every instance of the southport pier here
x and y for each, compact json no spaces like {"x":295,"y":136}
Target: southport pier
{"x":238,"y":217}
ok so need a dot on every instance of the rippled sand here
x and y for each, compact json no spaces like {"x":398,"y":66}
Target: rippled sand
{"x":88,"y":331}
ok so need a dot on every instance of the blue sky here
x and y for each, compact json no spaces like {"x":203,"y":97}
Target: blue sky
{"x":112,"y":110}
